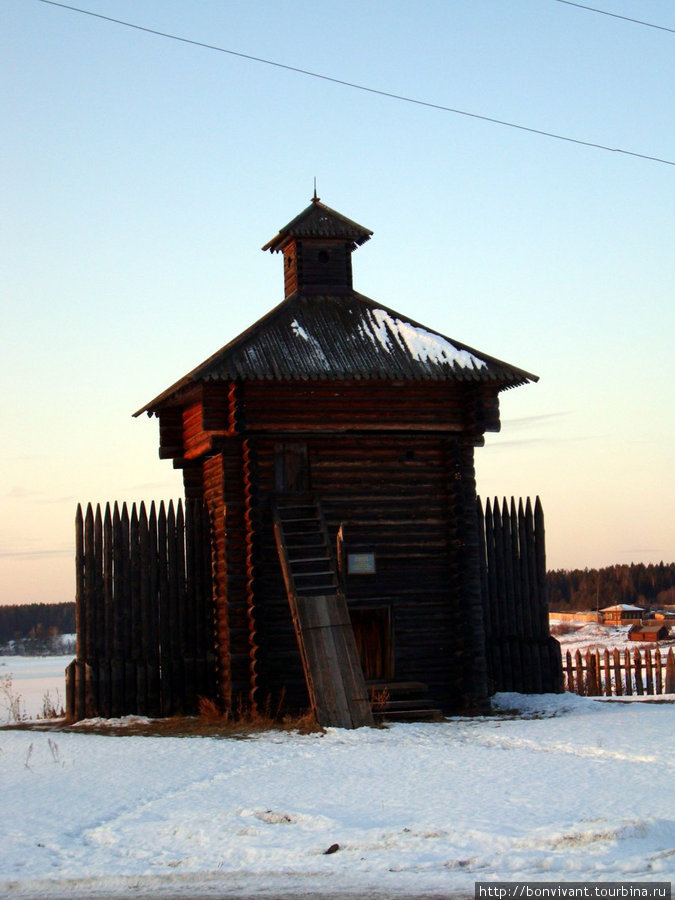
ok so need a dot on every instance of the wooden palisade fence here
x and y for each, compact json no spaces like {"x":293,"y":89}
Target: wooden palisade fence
{"x":145,"y":618}
{"x":620,"y":673}
{"x":521,"y":654}
{"x":143,"y":612}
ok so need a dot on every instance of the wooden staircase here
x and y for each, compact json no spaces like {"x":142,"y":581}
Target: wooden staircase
{"x":333,"y":672}
{"x":402,"y":701}
{"x":307,"y":559}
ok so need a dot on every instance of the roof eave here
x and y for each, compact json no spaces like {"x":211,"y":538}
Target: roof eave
{"x":358,"y":234}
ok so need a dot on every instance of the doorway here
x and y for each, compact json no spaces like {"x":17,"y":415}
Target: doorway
{"x":374,"y":641}
{"x":291,"y":469}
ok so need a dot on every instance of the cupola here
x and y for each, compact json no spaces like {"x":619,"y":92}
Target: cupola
{"x":317,"y":247}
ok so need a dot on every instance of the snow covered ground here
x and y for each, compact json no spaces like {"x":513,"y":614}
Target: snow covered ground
{"x":569,"y":789}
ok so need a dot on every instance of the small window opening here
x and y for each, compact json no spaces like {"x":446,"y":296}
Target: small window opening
{"x":323,"y":256}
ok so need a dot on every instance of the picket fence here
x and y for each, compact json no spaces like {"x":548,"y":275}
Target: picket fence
{"x":643,"y":671}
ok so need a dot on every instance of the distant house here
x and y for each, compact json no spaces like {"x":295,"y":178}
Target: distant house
{"x":622,"y":614}
{"x":650,"y":632}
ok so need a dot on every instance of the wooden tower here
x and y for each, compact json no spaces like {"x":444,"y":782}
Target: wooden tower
{"x":333,"y":442}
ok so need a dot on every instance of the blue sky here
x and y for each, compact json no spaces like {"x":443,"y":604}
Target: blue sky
{"x":141,"y":176}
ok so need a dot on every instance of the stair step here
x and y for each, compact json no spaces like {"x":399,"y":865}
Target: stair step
{"x":303,"y":531}
{"x":402,"y":701}
{"x":307,"y":539}
{"x":398,"y":687}
{"x":324,"y":574}
{"x":410,"y":715}
{"x":396,"y":705}
{"x":309,"y":559}
{"x":323,"y":581}
{"x":327,"y":590}
{"x":294,"y":520}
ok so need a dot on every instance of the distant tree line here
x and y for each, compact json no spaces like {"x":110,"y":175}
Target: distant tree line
{"x":636,"y":584}
{"x":35,"y":628}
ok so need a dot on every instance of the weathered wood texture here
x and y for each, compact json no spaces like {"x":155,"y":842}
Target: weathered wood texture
{"x":522,"y":656}
{"x":323,"y":628}
{"x":620,"y":673}
{"x":346,"y":406}
{"x":407,"y":499}
{"x":313,"y":267}
{"x":339,"y":692}
{"x":144,"y":611}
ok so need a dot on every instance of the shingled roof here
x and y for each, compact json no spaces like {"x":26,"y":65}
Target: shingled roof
{"x":341,"y":337}
{"x":319,"y":221}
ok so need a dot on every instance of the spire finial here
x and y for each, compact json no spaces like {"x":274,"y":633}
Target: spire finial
{"x":315,"y":199}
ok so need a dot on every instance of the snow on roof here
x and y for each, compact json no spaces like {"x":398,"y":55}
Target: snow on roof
{"x":344,"y":336}
{"x":623,"y":606}
{"x":301,"y":332}
{"x":423,"y":345}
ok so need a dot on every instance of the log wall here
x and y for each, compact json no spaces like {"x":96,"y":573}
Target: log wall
{"x":346,"y":406}
{"x":407,"y":499}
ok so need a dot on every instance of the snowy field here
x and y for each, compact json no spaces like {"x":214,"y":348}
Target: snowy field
{"x":28,"y":680}
{"x":568,"y":789}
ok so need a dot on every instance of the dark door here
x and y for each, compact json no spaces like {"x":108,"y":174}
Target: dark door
{"x":291,"y":469}
{"x":372,"y":632}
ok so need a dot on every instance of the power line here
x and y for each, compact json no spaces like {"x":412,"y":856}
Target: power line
{"x":365,"y":88}
{"x":604,"y":12}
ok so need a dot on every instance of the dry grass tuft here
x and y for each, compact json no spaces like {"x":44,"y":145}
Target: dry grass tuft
{"x":211,"y":721}
{"x":379,"y":699}
{"x":247,"y":719}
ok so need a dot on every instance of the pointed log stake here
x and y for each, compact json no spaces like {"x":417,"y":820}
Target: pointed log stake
{"x":480,"y":518}
{"x":531,"y":561}
{"x":108,"y":614}
{"x":524,"y":572}
{"x":163,"y":614}
{"x":515,"y":567}
{"x":507,"y":537}
{"x":89,"y":579}
{"x":540,"y":565}
{"x":496,"y":612}
{"x":79,"y":583}
{"x":98,"y":619}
